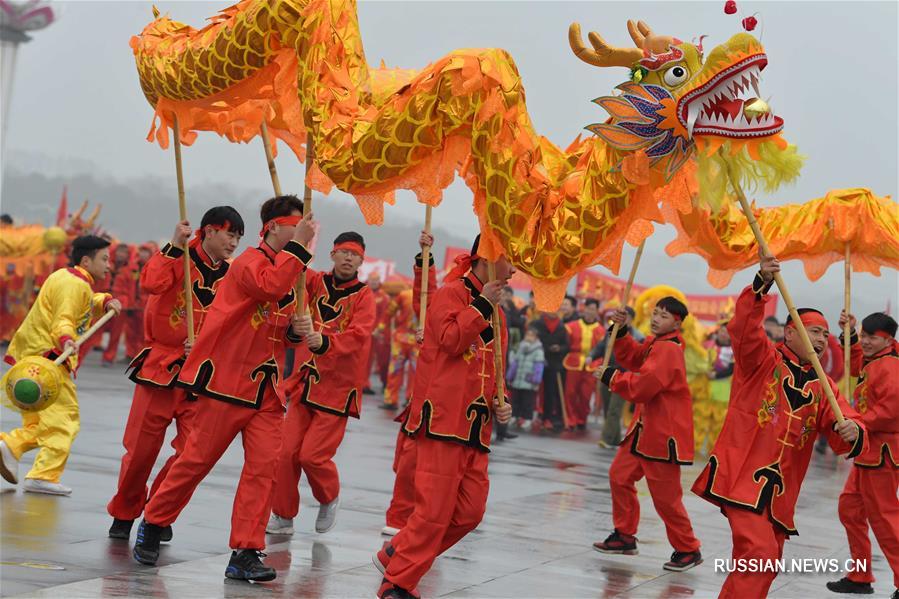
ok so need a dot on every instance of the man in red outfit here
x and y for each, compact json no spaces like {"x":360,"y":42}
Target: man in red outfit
{"x":157,"y":401}
{"x":123,"y":285}
{"x":326,"y":387}
{"x":403,"y":349}
{"x":379,"y":354}
{"x":660,"y":438}
{"x":871,"y":495}
{"x":234,"y":368}
{"x":404,"y":458}
{"x":583,"y":334}
{"x":777,"y":408}
{"x":452,"y":420}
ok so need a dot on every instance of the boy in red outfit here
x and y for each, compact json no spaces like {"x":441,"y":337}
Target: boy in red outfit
{"x":452,"y":420}
{"x":326,"y":387}
{"x":157,"y":401}
{"x":777,"y":408}
{"x":660,"y":438}
{"x":234,"y":368}
{"x":123,"y":285}
{"x":871,"y":494}
{"x":583,"y":335}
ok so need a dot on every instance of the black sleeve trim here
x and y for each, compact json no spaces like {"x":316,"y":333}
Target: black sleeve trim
{"x":859,"y":443}
{"x":607,"y":375}
{"x":296,"y":249}
{"x":291,"y":337}
{"x":853,"y":337}
{"x":419,"y":261}
{"x":326,"y":343}
{"x":483,"y":306}
{"x":759,"y":286}
{"x":170,"y":251}
{"x":622,"y":331}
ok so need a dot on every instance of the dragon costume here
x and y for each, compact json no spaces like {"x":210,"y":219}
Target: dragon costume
{"x":299,"y":67}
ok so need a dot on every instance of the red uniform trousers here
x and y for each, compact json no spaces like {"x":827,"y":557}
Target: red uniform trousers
{"x":380,"y":357}
{"x":402,"y":367}
{"x":754,"y":538}
{"x":217,"y":423}
{"x":311,"y":439}
{"x":403,"y":501}
{"x":131,"y":323}
{"x":663,"y":479}
{"x":579,"y":387}
{"x":871,"y":496}
{"x":451,"y":487}
{"x":152,"y":411}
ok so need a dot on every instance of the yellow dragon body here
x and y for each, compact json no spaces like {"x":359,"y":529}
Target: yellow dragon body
{"x":299,"y":67}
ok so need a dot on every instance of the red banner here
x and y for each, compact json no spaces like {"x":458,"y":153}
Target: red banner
{"x":704,"y":307}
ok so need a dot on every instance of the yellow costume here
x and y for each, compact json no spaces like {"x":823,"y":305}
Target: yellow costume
{"x":65,"y":307}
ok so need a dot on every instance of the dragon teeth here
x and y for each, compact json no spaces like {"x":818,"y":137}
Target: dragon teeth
{"x":692,"y":115}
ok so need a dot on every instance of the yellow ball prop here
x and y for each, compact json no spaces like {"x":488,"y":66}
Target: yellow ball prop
{"x":32,"y":384}
{"x":54,"y":239}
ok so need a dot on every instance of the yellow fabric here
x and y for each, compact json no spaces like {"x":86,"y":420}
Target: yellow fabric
{"x":53,"y":430}
{"x":708,"y":418}
{"x":65,"y":306}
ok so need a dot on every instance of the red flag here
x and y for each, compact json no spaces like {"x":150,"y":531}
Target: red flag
{"x":62,"y":213}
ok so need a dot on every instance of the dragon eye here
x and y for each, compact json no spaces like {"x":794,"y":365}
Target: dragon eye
{"x":675,"y":76}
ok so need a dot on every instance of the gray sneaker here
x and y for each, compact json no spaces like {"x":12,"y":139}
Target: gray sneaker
{"x":36,"y":485}
{"x":327,"y":516}
{"x":9,"y":465}
{"x":279,"y":526}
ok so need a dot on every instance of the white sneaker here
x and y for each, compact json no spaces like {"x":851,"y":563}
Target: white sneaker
{"x":327,"y":516}
{"x":36,"y":485}
{"x":389,"y":531}
{"x":9,"y":465}
{"x":527,"y":426}
{"x":279,"y":526}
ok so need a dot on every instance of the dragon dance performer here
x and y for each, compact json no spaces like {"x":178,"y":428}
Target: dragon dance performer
{"x":404,"y":458}
{"x":379,"y":354}
{"x":326,"y":387}
{"x":62,"y":312}
{"x":234,"y":368}
{"x":871,"y":494}
{"x":660,"y":437}
{"x":777,"y":408}
{"x":403,"y":349}
{"x":452,"y":420}
{"x":157,"y":401}
{"x":583,"y":334}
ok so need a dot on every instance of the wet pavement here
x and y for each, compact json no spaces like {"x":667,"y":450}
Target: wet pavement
{"x":549,"y":501}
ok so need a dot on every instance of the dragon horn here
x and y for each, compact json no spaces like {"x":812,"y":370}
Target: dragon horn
{"x":602,"y":54}
{"x":94,"y":215}
{"x":646,"y":40}
{"x":77,"y":216}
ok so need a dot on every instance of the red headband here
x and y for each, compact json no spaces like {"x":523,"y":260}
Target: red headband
{"x":883,"y":334}
{"x":350,"y":246}
{"x":289,"y":221}
{"x":463,"y":265}
{"x":811,"y":319}
{"x":200,"y":234}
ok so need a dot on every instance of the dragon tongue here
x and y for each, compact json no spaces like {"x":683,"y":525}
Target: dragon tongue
{"x":693,"y":114}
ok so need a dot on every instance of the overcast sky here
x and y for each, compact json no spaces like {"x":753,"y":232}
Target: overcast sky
{"x":832,"y":75}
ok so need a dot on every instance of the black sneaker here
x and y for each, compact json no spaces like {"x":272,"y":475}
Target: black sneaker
{"x":166,"y":536}
{"x":844,"y":585}
{"x":508,"y":435}
{"x":389,"y":406}
{"x":388,"y":590}
{"x":368,"y":391}
{"x":246,"y":565}
{"x":618,"y":543}
{"x":120,"y":529}
{"x":146,"y":547}
{"x":683,"y":560}
{"x":895,"y":594}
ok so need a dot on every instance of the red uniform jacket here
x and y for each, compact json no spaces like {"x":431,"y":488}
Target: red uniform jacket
{"x":459,"y":384}
{"x":240,"y":348}
{"x":402,"y":316}
{"x":382,"y":319}
{"x":165,"y":325}
{"x":332,"y":377}
{"x":582,"y":337}
{"x":777,"y":408}
{"x":877,"y":402}
{"x":662,"y":427}
{"x":125,"y":285}
{"x":422,"y":371}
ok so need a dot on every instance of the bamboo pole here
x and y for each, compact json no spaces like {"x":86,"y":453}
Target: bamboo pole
{"x":425,"y":273}
{"x":785,"y":293}
{"x":498,"y":371}
{"x":270,"y":159}
{"x":847,"y":280}
{"x":307,"y":209}
{"x":182,"y":211}
{"x":561,"y":388}
{"x":87,"y":335}
{"x":610,"y":343}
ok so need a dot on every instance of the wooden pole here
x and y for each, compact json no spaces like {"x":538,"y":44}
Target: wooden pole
{"x":270,"y":159}
{"x":182,"y":211}
{"x":610,"y":343}
{"x":785,"y":293}
{"x":499,"y":372}
{"x":561,"y":388}
{"x":425,"y":273}
{"x":847,"y":276}
{"x":87,"y":334}
{"x":307,"y":208}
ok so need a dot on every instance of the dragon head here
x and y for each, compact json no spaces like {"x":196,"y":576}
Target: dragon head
{"x":676,"y":99}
